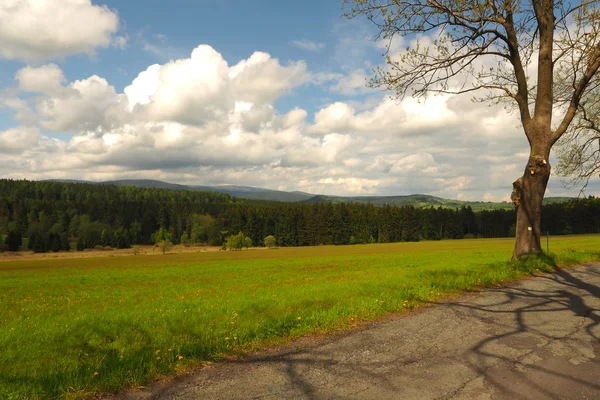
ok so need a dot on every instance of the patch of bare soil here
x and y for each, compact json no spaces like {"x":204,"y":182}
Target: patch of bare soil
{"x":91,"y":253}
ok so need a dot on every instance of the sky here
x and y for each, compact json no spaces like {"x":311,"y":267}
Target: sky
{"x":263,"y":93}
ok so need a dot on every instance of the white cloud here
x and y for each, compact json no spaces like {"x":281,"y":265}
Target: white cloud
{"x":45,"y":79}
{"x":198,"y":90}
{"x":262,"y":79}
{"x":18,"y":140}
{"x":415,"y":163}
{"x":349,"y":185}
{"x":389,"y":117}
{"x":143,"y":86}
{"x":309,"y":45}
{"x":49,"y":29}
{"x":86,"y":105}
{"x":199,"y":120}
{"x":333,"y":118}
{"x":203,"y":86}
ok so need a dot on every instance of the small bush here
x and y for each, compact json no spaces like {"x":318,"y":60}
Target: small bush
{"x":270,"y":241}
{"x":165,"y":246}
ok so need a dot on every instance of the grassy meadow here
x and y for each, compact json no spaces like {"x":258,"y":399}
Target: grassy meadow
{"x":73,"y":327}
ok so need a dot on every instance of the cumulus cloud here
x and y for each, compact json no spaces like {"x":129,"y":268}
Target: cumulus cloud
{"x":204,"y":86}
{"x":392,"y":117}
{"x":85,"y":105}
{"x":49,"y":29}
{"x":15,"y":141}
{"x":46,"y":79}
{"x":197,"y":90}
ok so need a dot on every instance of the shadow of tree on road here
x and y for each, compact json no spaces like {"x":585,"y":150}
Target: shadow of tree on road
{"x":568,"y":294}
{"x":507,"y":315}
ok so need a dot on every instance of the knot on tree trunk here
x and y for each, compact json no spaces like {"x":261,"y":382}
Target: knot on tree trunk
{"x":516,"y":193}
{"x":538,"y":166}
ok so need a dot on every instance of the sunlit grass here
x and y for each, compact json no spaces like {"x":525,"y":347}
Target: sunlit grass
{"x":77,"y":326}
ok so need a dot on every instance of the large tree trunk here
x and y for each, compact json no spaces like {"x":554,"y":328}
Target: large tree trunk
{"x":527,"y":196}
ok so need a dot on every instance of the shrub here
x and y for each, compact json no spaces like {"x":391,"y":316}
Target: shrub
{"x":236,"y":242}
{"x":270,"y":241}
{"x":165,"y":246}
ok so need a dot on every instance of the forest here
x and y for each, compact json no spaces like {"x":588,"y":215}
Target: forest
{"x":53,"y":215}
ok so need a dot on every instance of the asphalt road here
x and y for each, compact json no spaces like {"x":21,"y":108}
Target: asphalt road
{"x":537,"y":339}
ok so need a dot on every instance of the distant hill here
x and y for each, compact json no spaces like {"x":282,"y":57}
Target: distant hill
{"x":416,"y":200}
{"x":424,"y":200}
{"x":245,"y":192}
{"x":253,"y":193}
{"x":248,"y":192}
{"x":146,"y":183}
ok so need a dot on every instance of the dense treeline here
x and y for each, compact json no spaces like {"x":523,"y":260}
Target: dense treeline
{"x":52,"y":215}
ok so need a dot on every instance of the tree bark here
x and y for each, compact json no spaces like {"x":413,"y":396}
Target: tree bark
{"x":527,"y":196}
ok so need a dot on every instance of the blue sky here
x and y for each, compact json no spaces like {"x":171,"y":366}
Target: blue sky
{"x":274,"y":96}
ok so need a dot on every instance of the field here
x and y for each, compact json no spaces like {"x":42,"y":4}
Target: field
{"x":72,"y":327}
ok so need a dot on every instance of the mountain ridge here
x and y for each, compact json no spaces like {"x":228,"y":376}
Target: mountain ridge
{"x":254,"y":193}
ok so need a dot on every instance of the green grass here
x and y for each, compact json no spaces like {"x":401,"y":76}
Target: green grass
{"x":129,"y":318}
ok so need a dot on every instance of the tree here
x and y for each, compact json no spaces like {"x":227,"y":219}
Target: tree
{"x":185,"y":240}
{"x":270,"y":241}
{"x":80,"y":244}
{"x":165,"y":245}
{"x":247,"y":242}
{"x":135,"y":232}
{"x":200,"y":226}
{"x":162,"y":240}
{"x":13,"y":241}
{"x":236,"y":242}
{"x":121,"y":238}
{"x":488,"y":46}
{"x":161,"y":235}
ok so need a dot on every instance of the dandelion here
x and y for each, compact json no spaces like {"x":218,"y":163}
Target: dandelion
{"x":96,"y":373}
{"x":226,"y":338}
{"x":179,"y":357}
{"x":158,"y":358}
{"x":299,"y":318}
{"x":170,"y":349}
{"x":157,"y":351}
